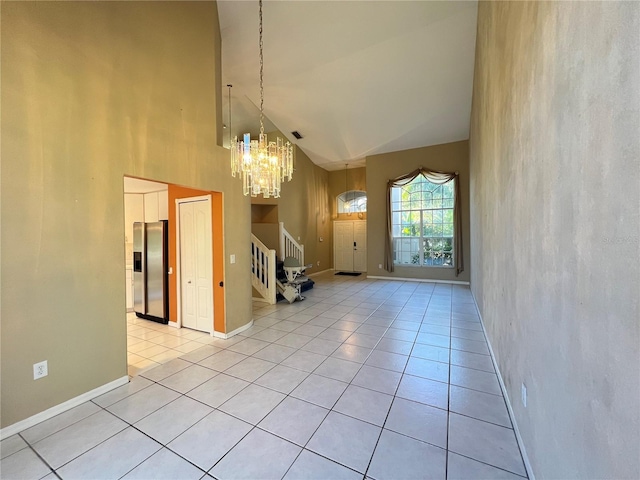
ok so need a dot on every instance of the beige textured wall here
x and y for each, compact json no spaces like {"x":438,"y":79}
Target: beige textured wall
{"x":304,"y":208}
{"x":268,"y":233}
{"x":554,"y":147}
{"x":264,"y":213}
{"x":92,"y":91}
{"x":380,"y":168}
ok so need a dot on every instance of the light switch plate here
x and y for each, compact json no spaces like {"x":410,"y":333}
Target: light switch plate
{"x":232,"y":258}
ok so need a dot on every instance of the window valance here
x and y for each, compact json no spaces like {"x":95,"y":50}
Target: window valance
{"x":438,"y":178}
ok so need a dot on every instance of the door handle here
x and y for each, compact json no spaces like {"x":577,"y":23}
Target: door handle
{"x":189,"y":282}
{"x":221,"y":284}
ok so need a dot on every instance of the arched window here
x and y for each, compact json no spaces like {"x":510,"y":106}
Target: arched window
{"x":353,"y":201}
{"x":423,"y":223}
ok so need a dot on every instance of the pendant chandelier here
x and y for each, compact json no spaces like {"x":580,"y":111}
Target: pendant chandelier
{"x":261,"y":164}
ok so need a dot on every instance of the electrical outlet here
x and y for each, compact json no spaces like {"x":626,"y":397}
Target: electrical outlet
{"x":318,"y":262}
{"x":40,"y":370}
{"x":379,"y":265}
{"x":524,"y":395}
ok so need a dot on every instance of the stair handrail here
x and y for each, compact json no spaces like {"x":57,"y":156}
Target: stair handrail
{"x":263,"y":269}
{"x":289,"y":247}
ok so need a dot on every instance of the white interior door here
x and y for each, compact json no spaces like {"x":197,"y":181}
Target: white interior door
{"x":196,"y":280}
{"x":360,"y":246}
{"x":343,"y":246}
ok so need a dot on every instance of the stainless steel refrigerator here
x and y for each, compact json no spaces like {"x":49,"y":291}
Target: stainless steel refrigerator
{"x":150,"y":267}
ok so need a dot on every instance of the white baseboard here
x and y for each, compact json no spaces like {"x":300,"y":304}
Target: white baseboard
{"x":318,"y":273}
{"x":235,"y":332}
{"x":523,"y":451}
{"x":63,"y":407}
{"x":426,"y":280}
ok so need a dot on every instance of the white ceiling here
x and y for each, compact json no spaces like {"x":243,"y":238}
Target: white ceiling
{"x":355,"y":78}
{"x":137,"y":185}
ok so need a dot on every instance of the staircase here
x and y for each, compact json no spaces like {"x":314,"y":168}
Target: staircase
{"x":263,"y":270}
{"x":268,"y":276}
{"x":289,"y":247}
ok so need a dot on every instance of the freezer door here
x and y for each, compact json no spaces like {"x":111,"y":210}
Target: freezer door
{"x":156,"y":269}
{"x":139,"y":297}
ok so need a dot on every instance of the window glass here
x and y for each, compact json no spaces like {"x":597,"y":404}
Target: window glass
{"x":422,"y":223}
{"x":353,"y":201}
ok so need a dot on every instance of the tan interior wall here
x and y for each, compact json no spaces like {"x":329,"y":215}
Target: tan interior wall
{"x":380,"y":168}
{"x":93,"y":91}
{"x":555,"y":143}
{"x":304,"y":207}
{"x":264,"y":214}
{"x":267,"y":233}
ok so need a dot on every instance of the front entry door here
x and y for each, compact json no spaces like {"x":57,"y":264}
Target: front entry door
{"x":350,"y":246}
{"x":343,"y":246}
{"x":196,"y":289}
{"x":360,"y":246}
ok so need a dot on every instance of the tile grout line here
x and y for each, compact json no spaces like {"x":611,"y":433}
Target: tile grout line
{"x":328,"y":412}
{"x":362,"y":364}
{"x":391,"y":406}
{"x":304,"y":447}
{"x":55,"y":470}
{"x":256,"y":425}
{"x":446,"y":461}
{"x":350,"y":383}
{"x":37,"y":454}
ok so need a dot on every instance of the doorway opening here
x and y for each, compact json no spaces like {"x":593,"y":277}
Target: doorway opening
{"x":149,"y":343}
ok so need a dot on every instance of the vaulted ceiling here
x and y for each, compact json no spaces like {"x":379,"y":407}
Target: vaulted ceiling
{"x":355,"y":78}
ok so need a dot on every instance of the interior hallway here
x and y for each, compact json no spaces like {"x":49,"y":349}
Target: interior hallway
{"x":382,"y":379}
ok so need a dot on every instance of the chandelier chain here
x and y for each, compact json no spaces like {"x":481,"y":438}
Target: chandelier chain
{"x":261,"y":77}
{"x":262,"y":165}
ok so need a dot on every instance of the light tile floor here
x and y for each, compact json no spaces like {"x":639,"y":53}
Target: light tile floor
{"x":150,"y":344}
{"x":365,"y":378}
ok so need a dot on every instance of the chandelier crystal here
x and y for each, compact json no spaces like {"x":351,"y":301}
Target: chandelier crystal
{"x":261,"y":164}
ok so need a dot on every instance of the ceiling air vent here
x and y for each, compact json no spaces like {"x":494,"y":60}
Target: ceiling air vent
{"x":296,"y":134}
